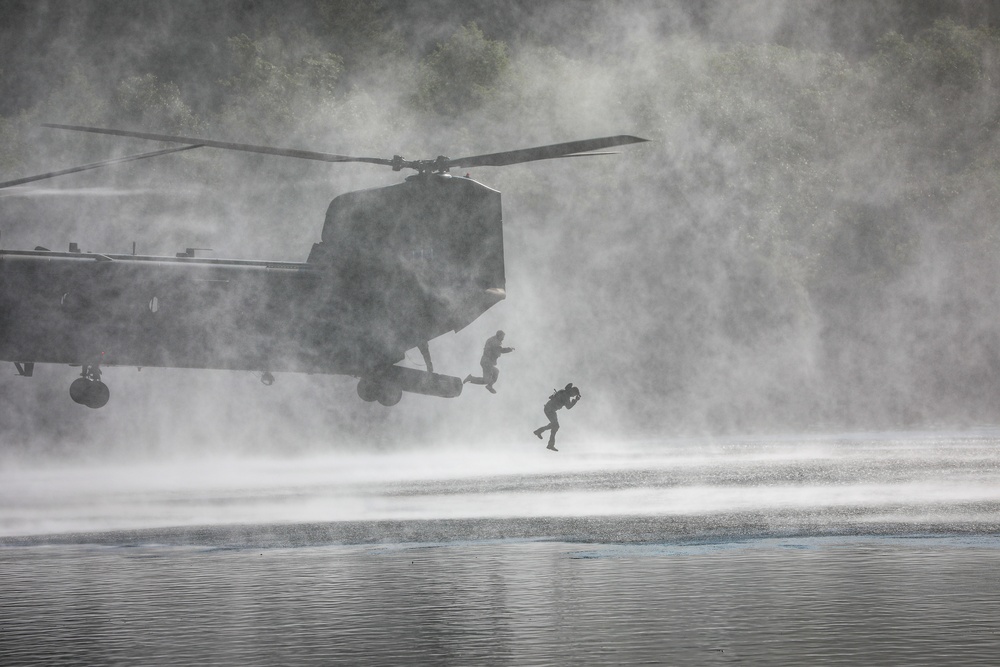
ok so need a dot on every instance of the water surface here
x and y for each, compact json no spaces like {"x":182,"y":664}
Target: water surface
{"x":861,"y":549}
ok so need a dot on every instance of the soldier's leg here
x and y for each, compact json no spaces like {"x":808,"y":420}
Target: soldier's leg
{"x":485,"y":379}
{"x":425,"y":352}
{"x":553,"y":427}
{"x":490,"y":375}
{"x":552,"y":435}
{"x":548,"y":415}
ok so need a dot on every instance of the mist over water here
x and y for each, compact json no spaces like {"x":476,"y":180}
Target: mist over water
{"x":830,"y":549}
{"x":805,"y":244}
{"x":598,"y":491}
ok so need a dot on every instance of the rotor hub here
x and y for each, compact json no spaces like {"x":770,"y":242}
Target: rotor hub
{"x":439,"y":165}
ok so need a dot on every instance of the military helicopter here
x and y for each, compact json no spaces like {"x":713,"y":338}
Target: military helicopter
{"x":396,"y":267}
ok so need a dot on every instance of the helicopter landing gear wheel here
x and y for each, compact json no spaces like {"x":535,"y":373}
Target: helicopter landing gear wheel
{"x":390,"y":395}
{"x":98,"y":395}
{"x":386,"y":393}
{"x":78,"y":390}
{"x":369,"y":390}
{"x":89,"y":390}
{"x":92,"y":393}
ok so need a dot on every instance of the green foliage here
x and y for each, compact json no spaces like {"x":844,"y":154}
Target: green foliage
{"x":78,"y":96}
{"x":146,"y":102}
{"x":786,"y":104}
{"x":462,"y":74}
{"x":271,"y":88}
{"x":947,"y":55}
{"x":360,"y":31}
{"x":871,"y":244}
{"x":11,"y":140}
{"x":945,"y":73}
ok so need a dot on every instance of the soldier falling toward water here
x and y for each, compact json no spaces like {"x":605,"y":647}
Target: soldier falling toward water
{"x":566,"y":397}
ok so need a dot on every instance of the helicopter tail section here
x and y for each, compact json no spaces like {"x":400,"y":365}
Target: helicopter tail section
{"x":471,"y":306}
{"x":419,"y":258}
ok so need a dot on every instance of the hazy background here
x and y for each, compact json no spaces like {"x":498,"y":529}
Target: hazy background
{"x":808,"y":242}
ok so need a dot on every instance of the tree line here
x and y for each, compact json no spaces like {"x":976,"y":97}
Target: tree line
{"x":810,"y":216}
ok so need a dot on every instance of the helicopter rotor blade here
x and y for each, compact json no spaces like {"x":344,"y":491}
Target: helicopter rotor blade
{"x":93,"y":165}
{"x":585,"y":147}
{"x":569,"y":149}
{"x":249,"y":148}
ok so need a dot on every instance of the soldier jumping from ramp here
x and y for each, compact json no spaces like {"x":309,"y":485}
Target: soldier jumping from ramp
{"x":491,"y":352}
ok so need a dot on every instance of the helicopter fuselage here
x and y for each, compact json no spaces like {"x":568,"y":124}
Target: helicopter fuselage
{"x":396,"y":267}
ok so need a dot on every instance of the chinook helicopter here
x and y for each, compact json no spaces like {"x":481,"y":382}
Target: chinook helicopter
{"x":395,"y":267}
